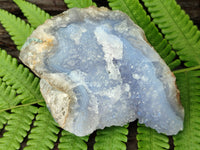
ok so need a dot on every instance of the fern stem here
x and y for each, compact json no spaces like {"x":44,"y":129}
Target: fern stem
{"x":187,"y":69}
{"x":13,"y":107}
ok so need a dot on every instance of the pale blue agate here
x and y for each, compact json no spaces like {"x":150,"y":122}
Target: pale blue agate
{"x":116,"y":75}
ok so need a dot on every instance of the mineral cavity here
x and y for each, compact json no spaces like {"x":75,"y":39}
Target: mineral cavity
{"x":97,"y":70}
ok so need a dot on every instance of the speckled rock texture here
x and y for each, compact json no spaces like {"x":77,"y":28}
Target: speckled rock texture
{"x":97,"y":70}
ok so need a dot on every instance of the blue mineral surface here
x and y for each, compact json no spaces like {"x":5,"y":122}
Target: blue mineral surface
{"x":101,"y":72}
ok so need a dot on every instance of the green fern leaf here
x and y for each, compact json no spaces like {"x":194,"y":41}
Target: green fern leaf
{"x":19,"y":77}
{"x":16,"y":27}
{"x":44,"y":133}
{"x":34,"y":14}
{"x":149,"y":139}
{"x":112,"y":138}
{"x":79,"y":3}
{"x":8,"y":96}
{"x":4,"y":116}
{"x":136,"y":12}
{"x":17,"y":127}
{"x":188,"y":84}
{"x":178,"y":29}
{"x":69,"y":141}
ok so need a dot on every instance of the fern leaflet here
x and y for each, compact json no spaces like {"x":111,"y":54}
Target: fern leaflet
{"x":79,"y":3}
{"x":178,"y":29}
{"x":149,"y":139}
{"x":34,"y":14}
{"x":19,"y":77}
{"x":8,"y":96}
{"x":43,"y":135}
{"x":18,"y":125}
{"x":115,"y":135}
{"x":70,"y":141}
{"x":4,"y":116}
{"x":5,"y":98}
{"x":188,"y":84}
{"x":17,"y":28}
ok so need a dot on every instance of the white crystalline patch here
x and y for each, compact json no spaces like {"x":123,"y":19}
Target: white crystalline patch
{"x":112,"y":45}
{"x":127,"y":87}
{"x":112,"y":48}
{"x":78,"y":77}
{"x":136,"y":76}
{"x":143,"y":78}
{"x":121,"y":27}
{"x":76,"y":36}
{"x":114,"y":93}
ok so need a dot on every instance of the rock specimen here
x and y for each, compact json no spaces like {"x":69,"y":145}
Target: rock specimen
{"x":97,"y":70}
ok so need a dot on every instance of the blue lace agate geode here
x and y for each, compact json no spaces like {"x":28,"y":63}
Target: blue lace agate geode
{"x":97,"y":70}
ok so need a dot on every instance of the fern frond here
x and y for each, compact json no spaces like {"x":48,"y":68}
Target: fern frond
{"x":20,"y":78}
{"x":4,"y":116}
{"x":70,"y":141}
{"x":188,"y":84}
{"x":34,"y":14}
{"x":174,"y":64}
{"x":17,"y":28}
{"x":8,"y":96}
{"x":17,"y":127}
{"x":43,"y":135}
{"x":137,"y":13}
{"x":115,"y":135}
{"x":178,"y":29}
{"x":149,"y":139}
{"x":79,"y":3}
